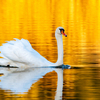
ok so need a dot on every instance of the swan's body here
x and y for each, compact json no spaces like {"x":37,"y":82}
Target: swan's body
{"x":20,"y":53}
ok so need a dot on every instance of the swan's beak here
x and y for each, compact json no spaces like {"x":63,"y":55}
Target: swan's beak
{"x":62,"y":32}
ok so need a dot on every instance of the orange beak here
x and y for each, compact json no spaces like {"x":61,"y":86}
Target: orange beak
{"x":62,"y":32}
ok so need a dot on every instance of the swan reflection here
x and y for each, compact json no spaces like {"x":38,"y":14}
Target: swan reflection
{"x":59,"y":84}
{"x":20,"y":81}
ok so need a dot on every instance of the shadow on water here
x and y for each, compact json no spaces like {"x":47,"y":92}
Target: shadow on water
{"x":20,"y":81}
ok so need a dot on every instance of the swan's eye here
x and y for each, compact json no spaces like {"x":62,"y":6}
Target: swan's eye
{"x":62,"y":32}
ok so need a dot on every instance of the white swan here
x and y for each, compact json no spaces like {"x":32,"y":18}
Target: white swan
{"x":20,"y":53}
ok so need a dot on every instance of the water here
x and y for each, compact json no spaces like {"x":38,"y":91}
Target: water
{"x":82,"y":84}
{"x":78,"y":84}
{"x":36,"y":22}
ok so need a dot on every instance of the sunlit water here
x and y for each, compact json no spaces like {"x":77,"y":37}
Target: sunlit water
{"x":36,"y":22}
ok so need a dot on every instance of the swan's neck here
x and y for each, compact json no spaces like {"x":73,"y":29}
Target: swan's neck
{"x":60,"y":50}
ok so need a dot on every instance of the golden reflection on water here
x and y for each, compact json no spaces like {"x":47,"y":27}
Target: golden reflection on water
{"x":37,"y":20}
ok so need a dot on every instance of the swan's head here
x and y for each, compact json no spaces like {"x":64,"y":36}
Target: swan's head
{"x":60,"y":31}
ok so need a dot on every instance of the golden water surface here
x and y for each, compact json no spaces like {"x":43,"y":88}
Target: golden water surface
{"x":36,"y":21}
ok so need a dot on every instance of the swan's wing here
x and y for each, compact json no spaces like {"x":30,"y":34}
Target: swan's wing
{"x":20,"y":51}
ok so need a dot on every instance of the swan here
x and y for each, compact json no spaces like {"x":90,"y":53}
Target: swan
{"x":20,"y":53}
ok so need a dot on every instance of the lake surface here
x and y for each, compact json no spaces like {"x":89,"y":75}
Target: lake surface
{"x":36,"y":21}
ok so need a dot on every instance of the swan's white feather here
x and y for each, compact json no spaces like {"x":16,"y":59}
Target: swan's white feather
{"x":21,"y":51}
